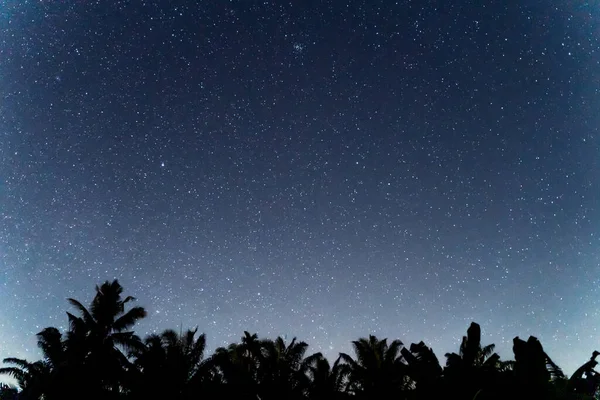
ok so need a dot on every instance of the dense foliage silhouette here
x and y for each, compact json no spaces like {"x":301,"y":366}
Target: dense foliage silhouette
{"x":100,"y":357}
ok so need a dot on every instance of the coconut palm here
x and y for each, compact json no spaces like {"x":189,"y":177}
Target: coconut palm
{"x":56,"y":357}
{"x":325,"y":382}
{"x":280,"y":369}
{"x":251,"y":346}
{"x":170,"y":365}
{"x":32,"y":379}
{"x":237,"y":367}
{"x":50,"y":342}
{"x":378,"y":370}
{"x":49,"y":376}
{"x":89,"y":361}
{"x":107,"y":321}
{"x":100,"y":333}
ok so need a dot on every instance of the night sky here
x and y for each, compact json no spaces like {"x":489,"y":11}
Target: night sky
{"x":324,"y":170}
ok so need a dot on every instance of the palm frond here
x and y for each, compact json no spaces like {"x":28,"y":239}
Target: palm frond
{"x":152,"y":339}
{"x":363,"y":351}
{"x":50,"y":342}
{"x":21,"y":363}
{"x":188,"y":337}
{"x":313,"y":358}
{"x":345,"y":358}
{"x":295,"y":352}
{"x":127,"y":340}
{"x":169,"y":337}
{"x":76,"y":324}
{"x":14,"y":372}
{"x":198,"y":347}
{"x":393,"y":351}
{"x":129,"y":319}
{"x":280,"y":344}
{"x":86,"y":315}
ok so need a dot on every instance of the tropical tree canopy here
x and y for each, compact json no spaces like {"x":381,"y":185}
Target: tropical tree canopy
{"x":99,"y":356}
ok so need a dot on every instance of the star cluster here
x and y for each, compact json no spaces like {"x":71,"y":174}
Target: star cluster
{"x":323,"y":170}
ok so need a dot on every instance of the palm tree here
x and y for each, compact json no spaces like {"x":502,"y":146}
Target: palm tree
{"x":99,"y":333}
{"x":280,"y":369}
{"x":251,"y":346}
{"x":89,"y":361}
{"x":325,"y":382}
{"x":32,"y":379}
{"x":106,"y":321}
{"x":48,"y":376}
{"x":57,"y":359}
{"x":175,"y":359}
{"x":50,"y":342}
{"x":237,"y":367}
{"x":378,"y":371}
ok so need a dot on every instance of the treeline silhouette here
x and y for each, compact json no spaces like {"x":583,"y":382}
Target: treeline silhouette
{"x":100,"y":357}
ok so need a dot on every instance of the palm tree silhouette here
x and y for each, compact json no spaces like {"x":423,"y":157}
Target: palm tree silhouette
{"x":106,"y":321}
{"x":172,"y":358}
{"x":88,"y":361}
{"x":378,"y":371}
{"x":280,"y":370}
{"x":48,"y":376}
{"x":325,"y":382}
{"x":32,"y":378}
{"x":100,"y":333}
{"x":238,"y":367}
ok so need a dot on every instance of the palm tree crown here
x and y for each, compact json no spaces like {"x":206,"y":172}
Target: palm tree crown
{"x":170,"y":357}
{"x":100,"y":357}
{"x":378,"y":369}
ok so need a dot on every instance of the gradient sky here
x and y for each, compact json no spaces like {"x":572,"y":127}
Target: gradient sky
{"x":323,"y":169}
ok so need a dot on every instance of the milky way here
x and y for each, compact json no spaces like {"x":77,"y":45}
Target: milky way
{"x":323,"y":170}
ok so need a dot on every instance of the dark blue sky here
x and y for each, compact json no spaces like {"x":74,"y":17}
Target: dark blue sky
{"x":321,"y":169}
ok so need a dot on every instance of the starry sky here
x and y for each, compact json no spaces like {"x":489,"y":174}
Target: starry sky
{"x":320,"y":169}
